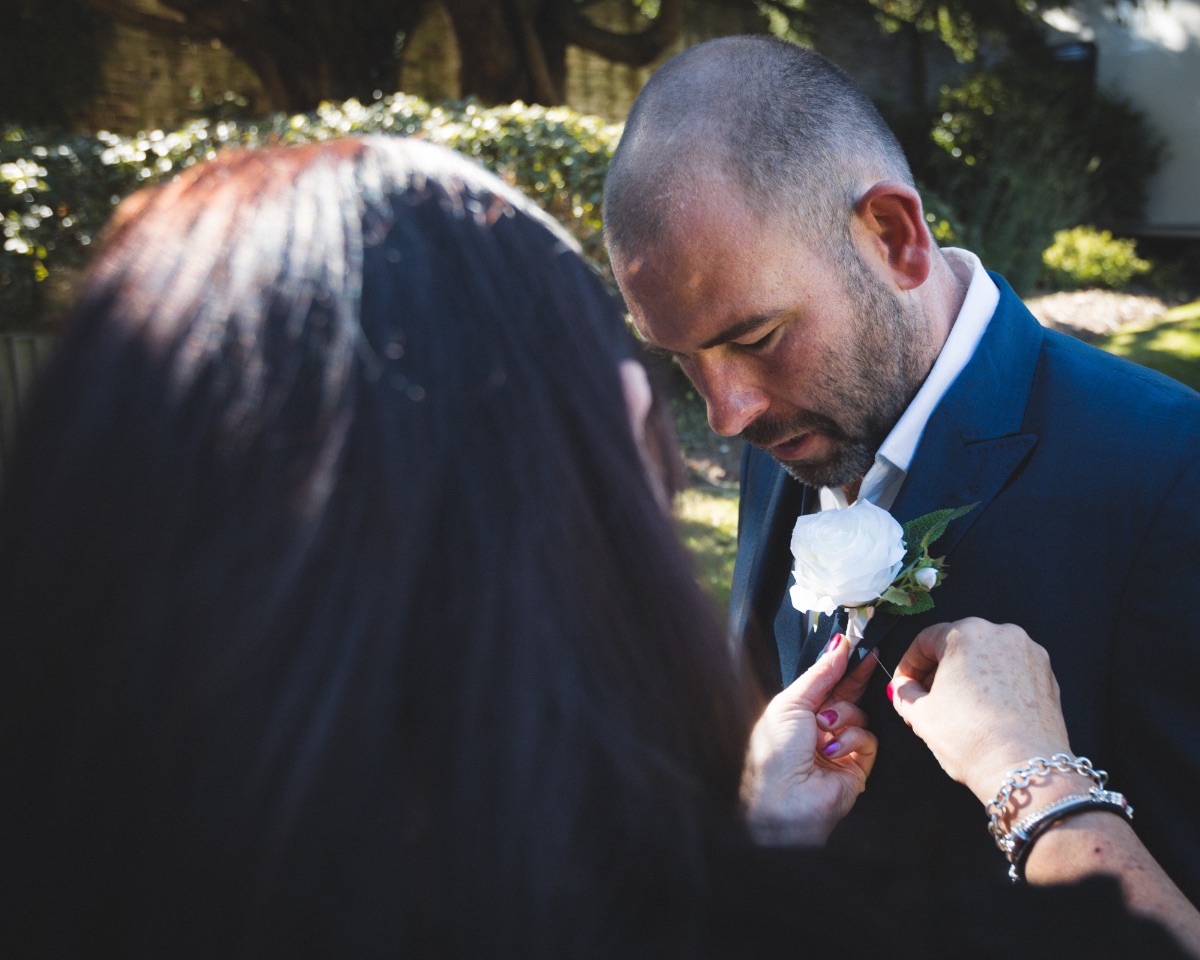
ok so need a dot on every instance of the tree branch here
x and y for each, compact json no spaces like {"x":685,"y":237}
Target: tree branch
{"x":119,"y":12}
{"x":635,"y":49}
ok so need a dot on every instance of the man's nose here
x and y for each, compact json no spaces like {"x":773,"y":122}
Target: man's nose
{"x":733,"y":402}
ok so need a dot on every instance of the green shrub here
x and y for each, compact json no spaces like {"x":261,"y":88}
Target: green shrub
{"x":1087,"y":257}
{"x":58,"y":191}
{"x":1023,"y":151}
{"x":943,"y":221}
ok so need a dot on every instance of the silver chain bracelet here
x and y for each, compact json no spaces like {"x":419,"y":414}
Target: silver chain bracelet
{"x":1016,"y":843}
{"x":1021,"y":778}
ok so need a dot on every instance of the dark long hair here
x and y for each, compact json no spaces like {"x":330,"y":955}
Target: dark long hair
{"x":338,"y":616}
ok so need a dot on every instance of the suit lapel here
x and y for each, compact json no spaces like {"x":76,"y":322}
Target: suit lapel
{"x":973,"y":442}
{"x":763,"y":559}
{"x":970,"y":448}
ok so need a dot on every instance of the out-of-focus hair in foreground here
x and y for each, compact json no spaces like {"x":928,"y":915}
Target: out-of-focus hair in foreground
{"x":332,"y":588}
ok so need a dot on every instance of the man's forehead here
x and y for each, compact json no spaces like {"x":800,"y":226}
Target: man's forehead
{"x":681,"y":310}
{"x":714,"y":271}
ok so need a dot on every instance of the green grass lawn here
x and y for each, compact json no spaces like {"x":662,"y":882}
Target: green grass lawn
{"x":707,"y":522}
{"x":1170,"y":344}
{"x":707,"y":516}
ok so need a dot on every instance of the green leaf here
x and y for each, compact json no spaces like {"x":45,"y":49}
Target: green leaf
{"x":923,"y":531}
{"x":920,"y":603}
{"x":895,"y":596}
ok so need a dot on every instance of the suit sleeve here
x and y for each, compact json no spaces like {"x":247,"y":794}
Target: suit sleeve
{"x":1155,"y":692}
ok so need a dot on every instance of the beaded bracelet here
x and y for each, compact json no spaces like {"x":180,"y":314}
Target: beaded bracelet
{"x":1016,"y":843}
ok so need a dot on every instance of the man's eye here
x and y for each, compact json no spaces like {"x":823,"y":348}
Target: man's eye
{"x":760,"y":343}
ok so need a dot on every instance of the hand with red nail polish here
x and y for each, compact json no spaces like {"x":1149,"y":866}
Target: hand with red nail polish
{"x":809,"y":755}
{"x":983,"y":698}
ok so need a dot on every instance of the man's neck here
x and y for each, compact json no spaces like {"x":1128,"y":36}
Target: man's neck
{"x":953,"y":279}
{"x":945,"y":298}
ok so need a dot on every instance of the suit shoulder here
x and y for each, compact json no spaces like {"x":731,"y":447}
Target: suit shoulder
{"x":1075,"y":374}
{"x":1106,"y":372}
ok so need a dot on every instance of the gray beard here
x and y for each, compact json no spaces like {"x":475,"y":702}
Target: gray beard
{"x":867,"y":386}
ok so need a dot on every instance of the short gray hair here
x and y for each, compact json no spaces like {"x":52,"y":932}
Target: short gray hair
{"x":785,"y":125}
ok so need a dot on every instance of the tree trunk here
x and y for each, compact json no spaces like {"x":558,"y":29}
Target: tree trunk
{"x":517,"y":49}
{"x":306,"y":51}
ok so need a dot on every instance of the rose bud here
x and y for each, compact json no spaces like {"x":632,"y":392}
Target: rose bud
{"x":927,"y":577}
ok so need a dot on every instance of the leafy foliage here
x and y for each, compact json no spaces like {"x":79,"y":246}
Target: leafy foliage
{"x":1024,"y":151}
{"x":1087,"y":257}
{"x":56,"y":192}
{"x":943,"y":222}
{"x":960,"y":25}
{"x":920,"y":534}
{"x":907,"y":594}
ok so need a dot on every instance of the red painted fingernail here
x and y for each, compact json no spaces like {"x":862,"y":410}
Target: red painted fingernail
{"x":890,"y":693}
{"x":830,"y":748}
{"x":829,"y":716}
{"x":833,"y":642}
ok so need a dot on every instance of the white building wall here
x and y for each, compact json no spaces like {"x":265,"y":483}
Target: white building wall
{"x":1149,"y":53}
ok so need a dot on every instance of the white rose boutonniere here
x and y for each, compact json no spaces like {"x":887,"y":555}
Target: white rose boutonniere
{"x":845,"y":558}
{"x":861,"y":559}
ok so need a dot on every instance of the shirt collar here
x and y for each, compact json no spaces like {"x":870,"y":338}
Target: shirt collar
{"x":895,"y":454}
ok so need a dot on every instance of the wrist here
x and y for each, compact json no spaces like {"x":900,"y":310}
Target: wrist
{"x":991,"y":770}
{"x":1041,"y":792}
{"x":1051,"y":791}
{"x":774,"y":818}
{"x":781,"y":831}
{"x":1079,"y":846}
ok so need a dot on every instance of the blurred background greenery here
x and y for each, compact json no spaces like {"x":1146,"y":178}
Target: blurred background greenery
{"x":1170,"y":344}
{"x":707,"y":521}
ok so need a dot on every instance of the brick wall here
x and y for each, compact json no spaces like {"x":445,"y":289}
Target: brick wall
{"x":150,"y":81}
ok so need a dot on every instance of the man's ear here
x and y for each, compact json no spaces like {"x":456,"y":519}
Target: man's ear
{"x":891,"y":221}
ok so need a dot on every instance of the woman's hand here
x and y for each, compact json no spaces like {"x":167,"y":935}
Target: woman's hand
{"x":810,"y":754}
{"x":983,"y":698}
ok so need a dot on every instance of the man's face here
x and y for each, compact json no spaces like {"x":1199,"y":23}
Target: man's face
{"x":809,"y":358}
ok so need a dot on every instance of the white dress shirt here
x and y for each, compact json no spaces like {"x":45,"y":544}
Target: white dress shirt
{"x":882,"y":482}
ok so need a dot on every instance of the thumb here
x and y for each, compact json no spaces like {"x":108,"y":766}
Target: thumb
{"x":809,"y":690}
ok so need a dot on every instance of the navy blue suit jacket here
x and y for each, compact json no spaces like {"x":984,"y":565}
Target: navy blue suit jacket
{"x":1087,"y":472}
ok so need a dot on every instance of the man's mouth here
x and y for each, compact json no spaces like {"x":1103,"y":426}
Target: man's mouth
{"x":794,"y":448}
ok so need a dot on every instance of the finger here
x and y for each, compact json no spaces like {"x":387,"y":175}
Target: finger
{"x":924,"y":653}
{"x":854,"y":742}
{"x":809,"y":690}
{"x":854,"y":684}
{"x":838,"y":714}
